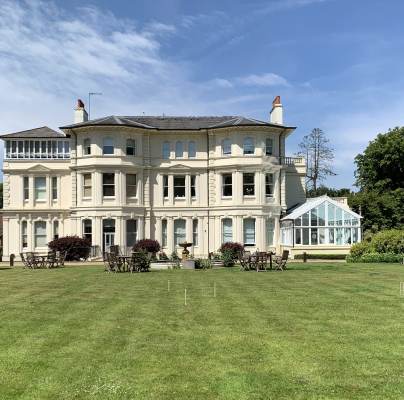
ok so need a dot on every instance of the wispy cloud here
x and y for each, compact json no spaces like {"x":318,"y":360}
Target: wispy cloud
{"x":268,"y":79}
{"x":279,"y":5}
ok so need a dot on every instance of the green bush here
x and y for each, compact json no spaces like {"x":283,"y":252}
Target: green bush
{"x":388,"y":241}
{"x":358,"y":249}
{"x":228,"y":258}
{"x":321,"y":256}
{"x":376,"y":258}
{"x":203,"y":263}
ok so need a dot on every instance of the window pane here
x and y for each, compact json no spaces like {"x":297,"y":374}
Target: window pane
{"x":321,"y":214}
{"x":26,"y":187}
{"x":249,"y":231}
{"x":164,"y":232}
{"x":108,"y":146}
{"x":248,"y":184}
{"x":54,"y":188}
{"x":338,"y":216}
{"x":179,"y":150}
{"x":331,"y":214}
{"x":269,"y":185}
{"x":130,"y":147}
{"x":314,"y":236}
{"x":321,"y":235}
{"x":347,"y":236}
{"x":338,"y":236}
{"x":227,"y":230}
{"x":226,"y":147}
{"x":354,"y":235}
{"x":40,"y":234}
{"x":87,"y":146}
{"x":227,"y":186}
{"x":131,"y":185}
{"x":331,"y":235}
{"x":179,"y":186}
{"x":166,"y":150}
{"x":313,"y":217}
{"x":268,"y":146}
{"x":191,"y":150}
{"x":270,"y":229}
{"x":40,"y":188}
{"x":298,"y":221}
{"x":165,"y":185}
{"x":108,"y":181}
{"x":306,"y":236}
{"x":195,"y":235}
{"x":179,"y":231}
{"x":298,"y":236}
{"x":131,"y":232}
{"x":248,"y":146}
{"x":88,"y":229}
{"x":306,"y":219}
{"x":193,"y":186}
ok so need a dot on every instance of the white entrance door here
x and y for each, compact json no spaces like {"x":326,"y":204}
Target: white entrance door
{"x":109,"y":240}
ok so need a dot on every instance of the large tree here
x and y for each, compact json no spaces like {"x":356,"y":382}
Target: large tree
{"x":322,"y":190}
{"x":319,"y":156}
{"x":381,"y":166}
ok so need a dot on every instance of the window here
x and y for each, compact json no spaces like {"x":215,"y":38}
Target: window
{"x":249,"y":231}
{"x":130,"y":147}
{"x":193,"y":186}
{"x":108,"y":146}
{"x":248,"y":146}
{"x":164,"y":233}
{"x":270,"y":229}
{"x":131,"y":187}
{"x":54,"y":188}
{"x":24,"y":234}
{"x":269,"y":144}
{"x":131,"y":232}
{"x":87,"y":185}
{"x":40,"y":233}
{"x":179,"y":231}
{"x":195,"y":232}
{"x":40,"y":188}
{"x":226,"y":147}
{"x":87,"y":146}
{"x":55,"y":229}
{"x":26,"y":187}
{"x":179,"y":150}
{"x":269,"y":185}
{"x":227,"y":230}
{"x":191,"y":149}
{"x":179,"y":185}
{"x":166,"y":150}
{"x":227,"y":185}
{"x":88,"y":230}
{"x":248,"y":184}
{"x":165,"y":186}
{"x":108,"y":185}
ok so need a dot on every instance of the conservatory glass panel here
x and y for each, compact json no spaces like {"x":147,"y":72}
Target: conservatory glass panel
{"x":339,"y":234}
{"x":298,"y":221}
{"x":314,"y":236}
{"x":331,"y":214}
{"x":347,"y":236}
{"x":298,"y":236}
{"x":314,"y":217}
{"x":339,"y":216}
{"x":321,"y":214}
{"x":331,"y":235}
{"x":355,"y":221}
{"x":321,"y":235}
{"x":306,"y":219}
{"x":306,"y":236}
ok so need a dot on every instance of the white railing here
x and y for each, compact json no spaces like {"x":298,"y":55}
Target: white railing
{"x":33,"y":149}
{"x":291,"y":160}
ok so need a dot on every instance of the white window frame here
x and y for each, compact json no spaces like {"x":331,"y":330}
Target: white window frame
{"x":108,"y":142}
{"x":248,"y":146}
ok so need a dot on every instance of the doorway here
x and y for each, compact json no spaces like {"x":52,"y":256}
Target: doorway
{"x":108,"y":233}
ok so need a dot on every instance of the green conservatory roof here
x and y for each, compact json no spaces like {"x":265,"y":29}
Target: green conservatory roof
{"x":314,"y":202}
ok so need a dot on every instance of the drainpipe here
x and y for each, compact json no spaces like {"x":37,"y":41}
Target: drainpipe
{"x":207,"y":175}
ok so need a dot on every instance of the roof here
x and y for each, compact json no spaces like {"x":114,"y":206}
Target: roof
{"x":42,"y":132}
{"x":314,"y":202}
{"x":174,"y":123}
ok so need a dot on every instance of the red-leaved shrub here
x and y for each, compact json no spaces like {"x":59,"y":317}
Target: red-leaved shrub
{"x":150,"y":245}
{"x":76,"y":248}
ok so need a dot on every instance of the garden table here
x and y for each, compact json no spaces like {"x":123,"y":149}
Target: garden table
{"x":124,"y":261}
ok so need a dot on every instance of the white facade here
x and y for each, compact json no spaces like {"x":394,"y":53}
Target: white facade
{"x":117,"y":182}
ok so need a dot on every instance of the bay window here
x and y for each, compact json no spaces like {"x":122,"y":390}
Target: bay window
{"x":131,"y":232}
{"x":108,"y":185}
{"x":130,"y":147}
{"x":87,"y":146}
{"x":248,"y":184}
{"x":108,"y":146}
{"x":227,"y":185}
{"x":179,"y":231}
{"x":179,"y":186}
{"x":88,"y":230}
{"x":269,"y":185}
{"x":40,"y":188}
{"x":248,"y":146}
{"x":131,"y":185}
{"x":40,"y":234}
{"x":269,"y":144}
{"x":191,"y":149}
{"x":87,"y":185}
{"x":227,"y":230}
{"x":226,"y":147}
{"x":249,"y":231}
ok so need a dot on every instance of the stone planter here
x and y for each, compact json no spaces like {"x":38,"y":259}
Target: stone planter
{"x":188,"y":264}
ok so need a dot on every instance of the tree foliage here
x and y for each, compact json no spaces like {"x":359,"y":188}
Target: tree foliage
{"x":319,"y":156}
{"x":381,"y":166}
{"x":324,"y":190}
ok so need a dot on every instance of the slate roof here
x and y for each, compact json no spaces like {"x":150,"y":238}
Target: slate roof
{"x":314,"y":202}
{"x":42,"y":132}
{"x":174,"y":123}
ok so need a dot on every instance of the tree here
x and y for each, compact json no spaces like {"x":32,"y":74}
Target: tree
{"x":315,"y":148}
{"x":381,"y":166}
{"x":322,"y":190}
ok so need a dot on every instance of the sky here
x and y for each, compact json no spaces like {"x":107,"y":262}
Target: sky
{"x":337,"y":64}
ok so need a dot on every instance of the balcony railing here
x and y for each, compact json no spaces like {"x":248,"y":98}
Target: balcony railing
{"x":37,"y":149}
{"x":291,"y":160}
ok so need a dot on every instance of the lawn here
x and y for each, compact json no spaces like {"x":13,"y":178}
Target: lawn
{"x":316,"y":331}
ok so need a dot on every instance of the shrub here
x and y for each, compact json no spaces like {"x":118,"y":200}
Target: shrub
{"x":175,"y":260}
{"x":376,"y":258}
{"x":163,"y":256}
{"x":203,"y":263}
{"x":321,"y":256}
{"x":228,"y":257}
{"x":143,"y":260}
{"x":358,"y":249}
{"x":234,"y":247}
{"x":149,"y":245}
{"x":76,"y":248}
{"x":388,"y":241}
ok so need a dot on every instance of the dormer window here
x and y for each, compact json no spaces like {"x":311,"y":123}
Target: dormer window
{"x":87,"y":146}
{"x":130,"y":147}
{"x":108,"y":146}
{"x":248,"y":146}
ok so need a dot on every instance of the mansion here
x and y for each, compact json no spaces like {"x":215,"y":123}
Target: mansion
{"x":114,"y":180}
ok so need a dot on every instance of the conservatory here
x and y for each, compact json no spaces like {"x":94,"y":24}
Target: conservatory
{"x":321,"y":223}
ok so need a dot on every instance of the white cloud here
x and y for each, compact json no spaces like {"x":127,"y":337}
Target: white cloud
{"x":268,"y":79}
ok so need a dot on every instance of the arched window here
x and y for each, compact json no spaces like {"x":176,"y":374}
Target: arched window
{"x":248,"y":145}
{"x":179,"y":231}
{"x":87,"y":146}
{"x":166,"y":150}
{"x":226,"y":147}
{"x":191,"y":149}
{"x":108,"y":146}
{"x":179,"y":150}
{"x":130,"y":147}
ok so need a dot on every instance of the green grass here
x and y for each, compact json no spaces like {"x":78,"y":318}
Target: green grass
{"x":316,"y":331}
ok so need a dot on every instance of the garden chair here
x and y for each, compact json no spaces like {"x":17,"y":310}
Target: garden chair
{"x":51,"y":260}
{"x":60,"y":258}
{"x":26,"y":263}
{"x":261,"y":259}
{"x":280,"y":261}
{"x":245,"y":260}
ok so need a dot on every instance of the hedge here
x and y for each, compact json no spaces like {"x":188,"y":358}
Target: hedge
{"x":321,"y":256}
{"x":376,"y":258}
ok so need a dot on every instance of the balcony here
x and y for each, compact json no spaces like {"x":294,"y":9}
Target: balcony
{"x":37,"y":149}
{"x":292,"y":161}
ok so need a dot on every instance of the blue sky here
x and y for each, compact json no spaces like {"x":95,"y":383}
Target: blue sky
{"x":337,"y":64}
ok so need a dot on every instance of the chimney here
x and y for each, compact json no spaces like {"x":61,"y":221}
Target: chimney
{"x":80,"y":113}
{"x":276,"y":114}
